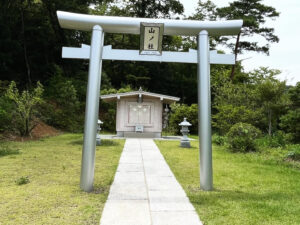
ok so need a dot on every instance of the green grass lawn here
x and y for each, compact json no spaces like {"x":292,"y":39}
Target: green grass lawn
{"x":248,"y":188}
{"x":53,"y":195}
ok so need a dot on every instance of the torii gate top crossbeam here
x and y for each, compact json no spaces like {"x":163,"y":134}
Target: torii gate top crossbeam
{"x":111,"y":24}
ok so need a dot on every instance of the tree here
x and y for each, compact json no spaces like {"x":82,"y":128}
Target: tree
{"x":180,"y":111}
{"x":235,"y":103}
{"x":272,"y":95}
{"x":205,"y":11}
{"x":31,"y":39}
{"x":64,"y":110}
{"x":25,"y":106}
{"x":153,"y":9}
{"x":254,"y":14}
{"x":290,"y":122}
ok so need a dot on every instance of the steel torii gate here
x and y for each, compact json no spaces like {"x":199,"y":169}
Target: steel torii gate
{"x":97,"y":52}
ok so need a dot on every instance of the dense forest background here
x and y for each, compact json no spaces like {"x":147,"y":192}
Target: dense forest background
{"x":36,"y":84}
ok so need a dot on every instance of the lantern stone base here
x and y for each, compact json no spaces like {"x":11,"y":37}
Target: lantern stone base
{"x":185,"y":144}
{"x":98,"y":140}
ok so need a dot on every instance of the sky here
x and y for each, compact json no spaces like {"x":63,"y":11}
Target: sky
{"x":284,"y":55}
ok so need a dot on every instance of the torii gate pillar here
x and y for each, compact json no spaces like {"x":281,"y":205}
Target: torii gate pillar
{"x":204,"y":112}
{"x":92,"y":110}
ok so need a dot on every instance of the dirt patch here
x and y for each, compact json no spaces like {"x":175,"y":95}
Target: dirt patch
{"x":41,"y":130}
{"x":44,"y":130}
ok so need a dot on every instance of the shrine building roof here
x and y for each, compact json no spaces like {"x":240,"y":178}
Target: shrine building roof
{"x":140,"y":93}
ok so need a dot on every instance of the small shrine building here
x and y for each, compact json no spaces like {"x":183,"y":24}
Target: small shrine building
{"x":139,"y":113}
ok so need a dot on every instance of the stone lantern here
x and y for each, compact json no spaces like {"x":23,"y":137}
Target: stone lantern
{"x":98,"y":139}
{"x":185,"y":142}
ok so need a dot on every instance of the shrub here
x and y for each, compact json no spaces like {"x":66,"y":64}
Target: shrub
{"x":294,"y":153}
{"x":241,"y":137}
{"x":108,"y":116}
{"x":6,"y":110}
{"x":218,"y":140}
{"x":278,"y":139}
{"x":22,"y":180}
{"x":178,"y":112}
{"x":228,"y":115}
{"x":5,"y":150}
{"x":64,"y":110}
{"x":290,"y":123}
{"x":26,"y":105}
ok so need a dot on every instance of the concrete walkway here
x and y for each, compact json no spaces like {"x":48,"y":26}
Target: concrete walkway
{"x":145,"y":191}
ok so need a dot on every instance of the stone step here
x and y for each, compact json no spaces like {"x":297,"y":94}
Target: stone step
{"x":141,"y":135}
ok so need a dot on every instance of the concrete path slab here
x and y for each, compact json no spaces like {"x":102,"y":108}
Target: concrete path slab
{"x":145,"y":191}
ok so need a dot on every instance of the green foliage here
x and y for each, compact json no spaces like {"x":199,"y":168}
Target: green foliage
{"x":64,"y":110}
{"x":234,"y":103}
{"x":259,"y":100}
{"x":294,"y":154}
{"x":218,"y":140}
{"x":6,"y":108}
{"x":290,"y":122}
{"x":5,"y":114}
{"x":241,"y":137}
{"x":22,"y":180}
{"x":180,"y":111}
{"x":124,"y":89}
{"x":150,"y":9}
{"x":271,"y":95}
{"x":67,"y":117}
{"x":276,"y":140}
{"x":228,"y":115}
{"x":108,"y":116}
{"x":7,"y":150}
{"x":206,"y":10}
{"x":294,"y":94}
{"x":31,"y":38}
{"x":26,"y":104}
{"x":254,"y":15}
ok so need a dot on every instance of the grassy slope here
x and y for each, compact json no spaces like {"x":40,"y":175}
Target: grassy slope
{"x":249,"y":189}
{"x":53,"y":195}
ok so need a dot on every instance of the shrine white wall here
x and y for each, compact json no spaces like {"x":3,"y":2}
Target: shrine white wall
{"x":124,"y":122}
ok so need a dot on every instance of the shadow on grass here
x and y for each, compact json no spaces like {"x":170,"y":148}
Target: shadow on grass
{"x":100,"y":189}
{"x":5,"y":150}
{"x":198,"y":197}
{"x":104,"y":142}
{"x":76,"y":142}
{"x":107,"y":142}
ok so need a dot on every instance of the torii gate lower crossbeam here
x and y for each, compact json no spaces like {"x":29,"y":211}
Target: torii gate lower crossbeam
{"x":96,"y":53}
